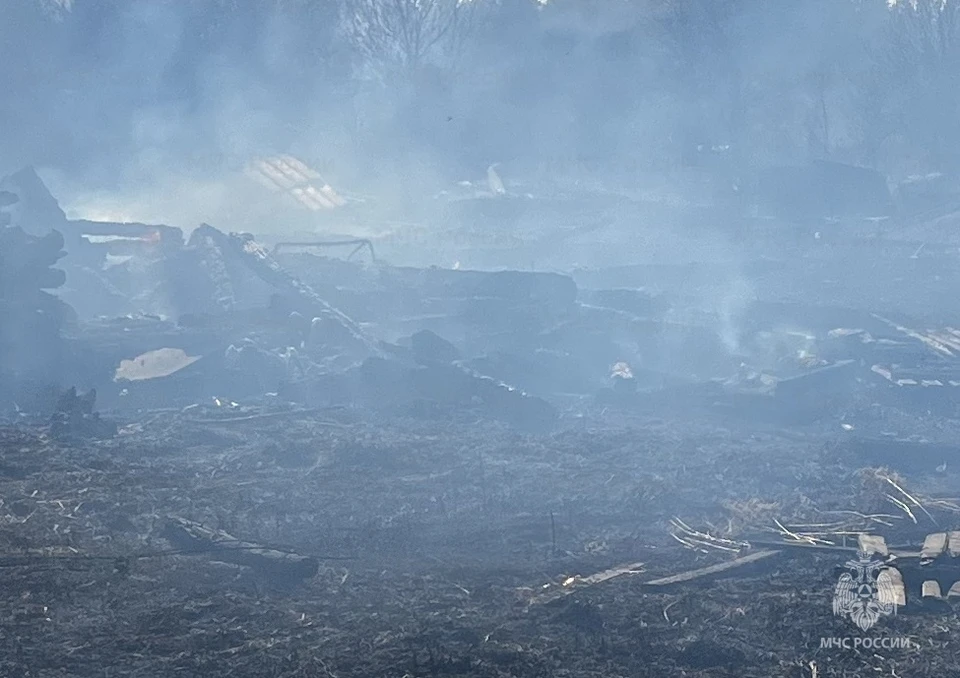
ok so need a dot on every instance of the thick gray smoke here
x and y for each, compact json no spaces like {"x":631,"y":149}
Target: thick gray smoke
{"x":133,"y":107}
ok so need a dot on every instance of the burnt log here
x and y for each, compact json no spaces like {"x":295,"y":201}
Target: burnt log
{"x":196,"y":538}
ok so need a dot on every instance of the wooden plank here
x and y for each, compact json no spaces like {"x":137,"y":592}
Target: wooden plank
{"x":574,"y":584}
{"x":933,"y":546}
{"x":719,"y":568}
{"x":897,"y":552}
{"x":607,"y":575}
{"x":890,"y":587}
{"x":779,"y":544}
{"x":873,"y":544}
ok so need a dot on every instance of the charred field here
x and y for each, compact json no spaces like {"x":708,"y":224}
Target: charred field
{"x":437,"y":545}
{"x":479,"y":338}
{"x":222,"y":458}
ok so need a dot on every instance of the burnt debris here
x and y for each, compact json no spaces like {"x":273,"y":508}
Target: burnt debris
{"x":75,"y":417}
{"x":168,"y":322}
{"x":32,"y":318}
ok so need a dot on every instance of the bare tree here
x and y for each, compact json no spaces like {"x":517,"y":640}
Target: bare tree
{"x":918,"y":75}
{"x":926,"y":34}
{"x":401,"y":36}
{"x":56,"y":9}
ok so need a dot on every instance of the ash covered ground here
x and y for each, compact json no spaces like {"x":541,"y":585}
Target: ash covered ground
{"x":268,"y":461}
{"x":479,"y":338}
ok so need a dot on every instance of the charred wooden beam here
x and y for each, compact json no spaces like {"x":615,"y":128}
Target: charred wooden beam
{"x":193,"y":537}
{"x":711,"y":571}
{"x":343,"y":330}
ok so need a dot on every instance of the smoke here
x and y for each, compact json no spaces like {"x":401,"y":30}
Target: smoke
{"x":151,"y":109}
{"x":735,"y":299}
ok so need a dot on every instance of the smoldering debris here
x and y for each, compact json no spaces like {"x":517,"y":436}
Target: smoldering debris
{"x":32,"y":356}
{"x":30,"y":204}
{"x":75,"y":417}
{"x":256,"y":421}
{"x":248,"y":324}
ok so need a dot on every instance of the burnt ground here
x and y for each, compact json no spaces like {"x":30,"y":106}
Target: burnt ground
{"x":437,"y":541}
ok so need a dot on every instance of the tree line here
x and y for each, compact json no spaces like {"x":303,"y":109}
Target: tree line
{"x":624,"y":85}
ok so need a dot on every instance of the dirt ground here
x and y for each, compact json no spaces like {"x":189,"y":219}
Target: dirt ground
{"x":438,"y":541}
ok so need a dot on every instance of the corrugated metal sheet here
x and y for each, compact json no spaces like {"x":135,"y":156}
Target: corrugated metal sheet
{"x":287,"y":176}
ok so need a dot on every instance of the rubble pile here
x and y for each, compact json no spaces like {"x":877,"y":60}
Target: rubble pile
{"x":74,"y":417}
{"x":31,"y":318}
{"x":249,"y":324}
{"x":31,"y":206}
{"x":519,"y":463}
